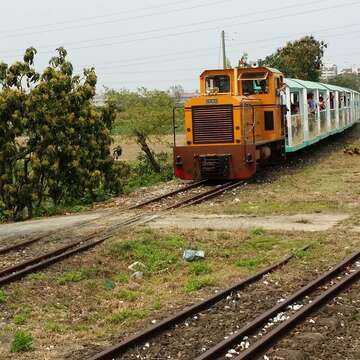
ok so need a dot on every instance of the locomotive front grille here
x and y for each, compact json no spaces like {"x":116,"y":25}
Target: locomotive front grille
{"x":213,"y":124}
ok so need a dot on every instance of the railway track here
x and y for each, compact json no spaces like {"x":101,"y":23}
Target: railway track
{"x":258,"y":335}
{"x":120,"y":349}
{"x":17,"y":271}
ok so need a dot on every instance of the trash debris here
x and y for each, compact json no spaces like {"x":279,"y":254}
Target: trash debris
{"x":138,"y":275}
{"x":136,"y":266}
{"x":191,"y":255}
{"x":108,"y":284}
{"x":352,"y":151}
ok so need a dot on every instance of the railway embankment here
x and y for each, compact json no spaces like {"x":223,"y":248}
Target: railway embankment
{"x":85,"y":303}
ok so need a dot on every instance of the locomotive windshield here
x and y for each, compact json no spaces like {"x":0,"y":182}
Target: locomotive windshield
{"x":255,"y":83}
{"x":218,"y":83}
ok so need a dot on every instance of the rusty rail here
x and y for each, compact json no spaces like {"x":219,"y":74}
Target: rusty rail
{"x":222,"y":347}
{"x":169,"y":194}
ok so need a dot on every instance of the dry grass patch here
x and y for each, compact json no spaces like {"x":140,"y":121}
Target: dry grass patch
{"x":320,"y":179}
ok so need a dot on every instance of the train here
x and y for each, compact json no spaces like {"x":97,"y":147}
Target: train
{"x":249,"y":115}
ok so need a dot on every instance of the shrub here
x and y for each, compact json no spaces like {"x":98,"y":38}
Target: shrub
{"x":23,"y":341}
{"x":64,"y":151}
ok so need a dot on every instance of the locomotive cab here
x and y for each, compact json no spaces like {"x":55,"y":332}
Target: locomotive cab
{"x":230,"y":124}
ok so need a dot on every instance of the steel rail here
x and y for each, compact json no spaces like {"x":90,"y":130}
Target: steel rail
{"x":49,"y":261}
{"x":172,"y":193}
{"x":216,"y":193}
{"x":167,"y":323}
{"x":47,"y":255}
{"x":200,"y":197}
{"x":5,"y":250}
{"x":20,"y":245}
{"x":222,"y":347}
{"x":18,"y":271}
{"x":273,"y":337}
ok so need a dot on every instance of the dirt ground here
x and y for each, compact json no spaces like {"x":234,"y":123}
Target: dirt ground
{"x":90,"y":301}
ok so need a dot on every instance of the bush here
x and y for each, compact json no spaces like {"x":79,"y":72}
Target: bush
{"x":143,"y":174}
{"x":23,"y":341}
{"x":55,"y":143}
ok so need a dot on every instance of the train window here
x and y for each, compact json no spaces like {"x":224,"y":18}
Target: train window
{"x":218,"y":83}
{"x":269,"y":120}
{"x":255,"y":87}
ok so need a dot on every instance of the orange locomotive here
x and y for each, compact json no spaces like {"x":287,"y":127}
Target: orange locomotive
{"x":238,"y":120}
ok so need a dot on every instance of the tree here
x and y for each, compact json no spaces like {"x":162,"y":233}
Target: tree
{"x":54,"y":143}
{"x":351,"y":81}
{"x":301,"y":59}
{"x":176,"y":91}
{"x":143,"y":113}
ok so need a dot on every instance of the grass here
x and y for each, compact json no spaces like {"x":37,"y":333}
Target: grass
{"x":321,"y":179}
{"x":22,"y":316}
{"x":121,"y":279}
{"x":198,"y":268}
{"x":2,"y":297}
{"x":55,"y":327}
{"x":257,"y":231}
{"x":127,"y":295}
{"x":126,"y":314}
{"x":250,"y":263}
{"x":23,"y":341}
{"x":37,"y":276}
{"x":70,"y":276}
{"x":195,"y":284}
{"x":155,"y":253}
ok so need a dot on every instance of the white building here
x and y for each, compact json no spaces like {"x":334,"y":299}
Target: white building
{"x":329,"y":71}
{"x":351,"y":70}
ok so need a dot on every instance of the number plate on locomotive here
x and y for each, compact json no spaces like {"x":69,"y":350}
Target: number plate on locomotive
{"x":212,"y":101}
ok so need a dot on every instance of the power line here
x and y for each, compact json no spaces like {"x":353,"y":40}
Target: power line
{"x":207,"y":4}
{"x":99,"y":16}
{"x":164,"y":29}
{"x":212,"y":28}
{"x":208,"y":50}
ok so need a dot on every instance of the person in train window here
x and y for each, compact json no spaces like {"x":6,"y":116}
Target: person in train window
{"x":263,"y":87}
{"x":311,"y":103}
{"x":321,"y":103}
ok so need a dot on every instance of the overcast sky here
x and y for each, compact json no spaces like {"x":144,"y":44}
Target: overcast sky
{"x":158,"y":43}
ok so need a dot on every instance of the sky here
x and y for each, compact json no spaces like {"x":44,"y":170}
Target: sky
{"x":159,"y":43}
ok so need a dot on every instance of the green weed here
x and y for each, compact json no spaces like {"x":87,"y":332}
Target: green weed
{"x":249,"y":263}
{"x":157,"y":305}
{"x":37,"y":276}
{"x":3,"y":297}
{"x":70,"y":276}
{"x":127,"y":314}
{"x":154,"y":252}
{"x":127,"y":295}
{"x":200,"y":267}
{"x":257,"y":231}
{"x":54,"y":327}
{"x":195,"y":284}
{"x":121,"y":279}
{"x":23,"y":341}
{"x":21,"y":318}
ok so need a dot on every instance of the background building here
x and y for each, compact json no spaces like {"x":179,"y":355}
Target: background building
{"x":329,"y":71}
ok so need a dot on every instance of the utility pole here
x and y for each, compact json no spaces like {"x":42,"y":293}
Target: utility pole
{"x":223,"y":46}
